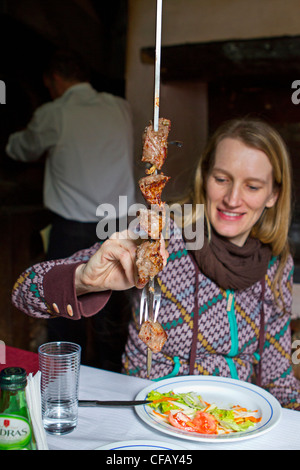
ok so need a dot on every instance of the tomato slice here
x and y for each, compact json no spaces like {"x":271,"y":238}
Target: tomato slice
{"x":205,"y":423}
{"x":181,"y":421}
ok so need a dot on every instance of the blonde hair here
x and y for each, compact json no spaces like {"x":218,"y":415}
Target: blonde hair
{"x":273,"y":226}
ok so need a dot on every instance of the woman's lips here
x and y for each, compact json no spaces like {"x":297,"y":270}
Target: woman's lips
{"x":230,"y":215}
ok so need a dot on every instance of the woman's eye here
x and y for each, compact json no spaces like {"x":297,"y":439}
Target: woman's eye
{"x":253,"y":188}
{"x":220,"y":179}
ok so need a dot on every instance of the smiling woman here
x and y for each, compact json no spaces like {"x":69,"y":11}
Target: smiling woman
{"x":226,"y":306}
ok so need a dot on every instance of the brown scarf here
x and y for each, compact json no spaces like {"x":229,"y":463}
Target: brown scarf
{"x":231,"y":266}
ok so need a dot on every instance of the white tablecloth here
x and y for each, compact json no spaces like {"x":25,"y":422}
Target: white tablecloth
{"x":100,"y":426}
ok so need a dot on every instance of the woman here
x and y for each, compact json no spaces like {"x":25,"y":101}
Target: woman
{"x":226,"y":307}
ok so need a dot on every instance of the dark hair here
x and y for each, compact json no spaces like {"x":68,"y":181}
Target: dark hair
{"x":68,"y":65}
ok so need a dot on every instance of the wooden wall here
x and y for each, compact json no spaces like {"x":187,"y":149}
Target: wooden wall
{"x":20,"y":247}
{"x":29,"y":32}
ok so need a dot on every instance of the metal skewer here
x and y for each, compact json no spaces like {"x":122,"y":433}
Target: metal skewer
{"x":155,"y":127}
{"x":151,"y":318}
{"x":157,"y":64}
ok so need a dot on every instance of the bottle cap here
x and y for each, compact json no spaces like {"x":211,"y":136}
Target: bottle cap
{"x":13,"y":378}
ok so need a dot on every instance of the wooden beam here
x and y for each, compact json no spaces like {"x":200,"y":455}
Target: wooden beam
{"x":276,"y":57}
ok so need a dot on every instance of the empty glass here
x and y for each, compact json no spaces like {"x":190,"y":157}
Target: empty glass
{"x":59,"y":363}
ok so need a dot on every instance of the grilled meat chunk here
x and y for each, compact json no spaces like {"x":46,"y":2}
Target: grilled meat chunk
{"x":150,"y":260}
{"x":152,"y":221}
{"x":152,"y":186}
{"x":153,"y":335}
{"x":156,"y":143}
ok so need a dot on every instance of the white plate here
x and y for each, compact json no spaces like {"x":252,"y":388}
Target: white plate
{"x":222,"y":391}
{"x":140,"y":445}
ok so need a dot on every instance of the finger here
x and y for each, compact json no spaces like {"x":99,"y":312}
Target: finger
{"x":113,"y":246}
{"x":123,"y":252}
{"x":129,"y":265}
{"x":124,"y":235}
{"x":127,"y":260}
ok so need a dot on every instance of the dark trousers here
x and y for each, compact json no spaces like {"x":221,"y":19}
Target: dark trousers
{"x":103,"y":336}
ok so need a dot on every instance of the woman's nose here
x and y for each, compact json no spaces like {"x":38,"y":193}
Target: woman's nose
{"x":233,"y":196}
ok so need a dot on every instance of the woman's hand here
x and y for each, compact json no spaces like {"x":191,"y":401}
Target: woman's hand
{"x":112,"y":267}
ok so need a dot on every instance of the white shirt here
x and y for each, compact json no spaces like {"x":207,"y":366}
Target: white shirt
{"x":88,"y":138}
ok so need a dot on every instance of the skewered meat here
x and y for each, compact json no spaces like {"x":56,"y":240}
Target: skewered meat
{"x":156,"y":143}
{"x":152,"y":186}
{"x":152,"y":221}
{"x":153,"y":335}
{"x":149,"y":260}
{"x":151,"y":255}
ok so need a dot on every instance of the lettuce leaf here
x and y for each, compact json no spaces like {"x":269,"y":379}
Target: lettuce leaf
{"x":163,"y":406}
{"x":226,"y":419}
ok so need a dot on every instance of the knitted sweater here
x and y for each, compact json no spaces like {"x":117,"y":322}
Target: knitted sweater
{"x":228,"y":327}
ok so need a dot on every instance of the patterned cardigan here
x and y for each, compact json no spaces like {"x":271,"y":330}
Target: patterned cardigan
{"x":226,"y":340}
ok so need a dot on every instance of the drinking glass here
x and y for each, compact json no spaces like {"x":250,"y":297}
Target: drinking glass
{"x":59,"y":363}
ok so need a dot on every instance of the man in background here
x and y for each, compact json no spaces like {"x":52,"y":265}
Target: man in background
{"x":87,"y":139}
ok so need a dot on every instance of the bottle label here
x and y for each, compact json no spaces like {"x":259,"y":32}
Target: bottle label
{"x":15,"y":432}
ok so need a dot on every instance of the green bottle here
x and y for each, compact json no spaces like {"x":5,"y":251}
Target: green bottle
{"x":15,"y":424}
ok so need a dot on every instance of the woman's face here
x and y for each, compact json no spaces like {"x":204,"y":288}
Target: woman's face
{"x":238,"y":189}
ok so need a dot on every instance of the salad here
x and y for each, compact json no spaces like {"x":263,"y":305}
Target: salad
{"x":189,"y":412}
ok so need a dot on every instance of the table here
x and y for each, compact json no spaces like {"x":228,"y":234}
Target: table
{"x":100,"y":426}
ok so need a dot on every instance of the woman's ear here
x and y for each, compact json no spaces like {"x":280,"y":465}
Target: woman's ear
{"x":272,"y":198}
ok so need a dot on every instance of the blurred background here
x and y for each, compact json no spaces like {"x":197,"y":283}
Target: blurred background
{"x":220,"y":59}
